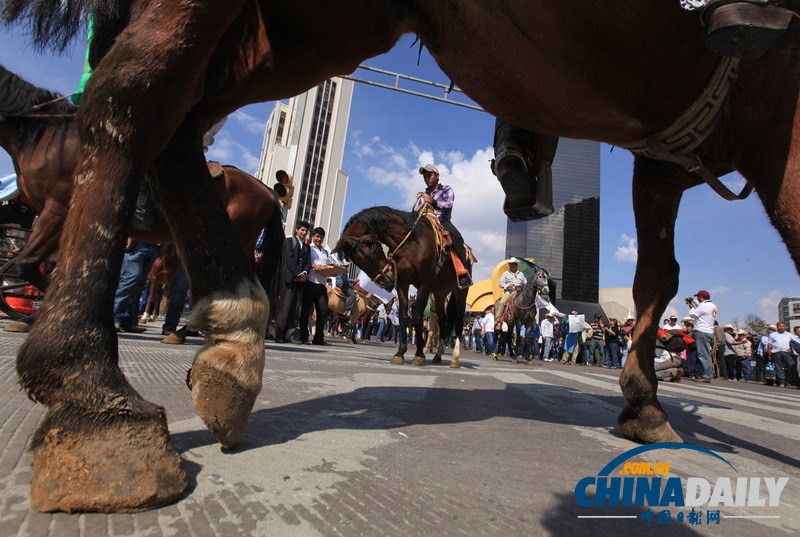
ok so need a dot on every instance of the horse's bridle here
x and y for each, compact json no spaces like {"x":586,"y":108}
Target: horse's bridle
{"x":41,"y":115}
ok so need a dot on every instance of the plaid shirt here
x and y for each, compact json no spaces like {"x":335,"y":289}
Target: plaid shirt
{"x":443,"y":198}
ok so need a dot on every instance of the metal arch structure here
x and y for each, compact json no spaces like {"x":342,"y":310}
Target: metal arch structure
{"x":447,"y":90}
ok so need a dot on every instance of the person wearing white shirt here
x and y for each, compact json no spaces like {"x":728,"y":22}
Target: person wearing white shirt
{"x":487,"y":329}
{"x":778,"y":347}
{"x":323,"y":265}
{"x":548,"y":326}
{"x":704,"y":312}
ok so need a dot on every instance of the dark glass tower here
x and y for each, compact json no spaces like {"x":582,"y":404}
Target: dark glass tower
{"x":567,"y":243}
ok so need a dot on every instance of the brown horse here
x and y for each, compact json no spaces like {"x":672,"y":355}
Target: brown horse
{"x":413,"y":260}
{"x":336,"y":306}
{"x":160,"y":282}
{"x":44,"y":148}
{"x":572,"y":68}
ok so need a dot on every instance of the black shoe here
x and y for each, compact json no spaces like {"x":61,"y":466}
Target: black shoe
{"x":323,"y":342}
{"x":280,"y":340}
{"x":304,"y":342}
{"x":744,"y":29}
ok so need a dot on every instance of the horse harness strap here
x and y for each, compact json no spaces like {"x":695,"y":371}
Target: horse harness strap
{"x":677,"y":142}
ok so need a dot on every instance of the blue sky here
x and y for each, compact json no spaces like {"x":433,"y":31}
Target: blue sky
{"x":728,"y":248}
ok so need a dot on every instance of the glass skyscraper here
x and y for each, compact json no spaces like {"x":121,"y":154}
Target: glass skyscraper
{"x":567,"y":243}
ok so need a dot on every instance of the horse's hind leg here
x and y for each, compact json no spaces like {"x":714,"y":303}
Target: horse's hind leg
{"x":230,"y":306}
{"x":656,"y":196}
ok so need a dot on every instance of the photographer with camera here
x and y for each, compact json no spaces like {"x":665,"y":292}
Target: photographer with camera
{"x":704,"y":312}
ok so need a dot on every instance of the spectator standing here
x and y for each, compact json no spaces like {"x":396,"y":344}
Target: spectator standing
{"x":136,"y":264}
{"x":612,"y":332}
{"x":315,"y":293}
{"x":718,"y":351}
{"x":477,"y":333}
{"x":596,"y":342}
{"x":533,"y":335}
{"x":729,"y":353}
{"x":743,"y":351}
{"x":691,"y":348}
{"x":704,"y":313}
{"x":295,"y":273}
{"x":779,"y":347}
{"x":487,"y":329}
{"x":548,"y":328}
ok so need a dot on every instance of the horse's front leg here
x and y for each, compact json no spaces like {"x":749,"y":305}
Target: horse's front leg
{"x":402,"y":312}
{"x":230,"y":306}
{"x":656,"y":196}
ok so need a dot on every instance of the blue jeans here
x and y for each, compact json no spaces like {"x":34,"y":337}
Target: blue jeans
{"x":613,"y":351}
{"x":591,"y":345}
{"x":489,"y":342}
{"x":548,"y":346}
{"x":381,"y":328}
{"x":136,"y":265}
{"x":177,"y":299}
{"x":743,"y":368}
{"x":705,"y":367}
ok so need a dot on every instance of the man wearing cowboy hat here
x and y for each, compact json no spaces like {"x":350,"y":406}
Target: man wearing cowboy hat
{"x":703,"y":311}
{"x":548,"y":329}
{"x":441,"y":198}
{"x":510,"y":280}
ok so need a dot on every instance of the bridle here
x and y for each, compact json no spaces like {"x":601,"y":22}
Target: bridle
{"x":40,"y":115}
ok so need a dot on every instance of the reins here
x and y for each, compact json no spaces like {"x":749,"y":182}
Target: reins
{"x":390,"y":256}
{"x":41,"y":115}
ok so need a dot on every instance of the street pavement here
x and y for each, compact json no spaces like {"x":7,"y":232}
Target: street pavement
{"x":341,"y":442}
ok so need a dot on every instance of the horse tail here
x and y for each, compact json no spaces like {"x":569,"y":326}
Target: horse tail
{"x":269,"y":268}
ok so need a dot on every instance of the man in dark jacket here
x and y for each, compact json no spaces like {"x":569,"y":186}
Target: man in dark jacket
{"x":298,"y":265}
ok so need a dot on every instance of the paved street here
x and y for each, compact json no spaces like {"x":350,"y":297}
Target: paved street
{"x":343,"y":443}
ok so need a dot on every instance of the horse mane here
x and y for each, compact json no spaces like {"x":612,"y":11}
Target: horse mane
{"x":375,"y":219}
{"x":18,"y":96}
{"x":54,"y":23}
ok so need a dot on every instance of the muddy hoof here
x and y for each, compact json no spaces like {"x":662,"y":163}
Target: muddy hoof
{"x":18,"y":327}
{"x":649,"y":426}
{"x":121,"y":468}
{"x":514,"y":361}
{"x":221,"y":401}
{"x":397,"y":360}
{"x":455,"y":364}
{"x":418,"y":360}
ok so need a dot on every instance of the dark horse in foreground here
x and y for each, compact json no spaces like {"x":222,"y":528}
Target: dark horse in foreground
{"x":42,"y":140}
{"x":573,"y":68}
{"x":412,"y":260}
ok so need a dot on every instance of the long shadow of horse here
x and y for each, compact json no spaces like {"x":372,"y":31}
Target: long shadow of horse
{"x":388,"y":407}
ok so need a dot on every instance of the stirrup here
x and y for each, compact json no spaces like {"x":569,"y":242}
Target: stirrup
{"x":744,"y":29}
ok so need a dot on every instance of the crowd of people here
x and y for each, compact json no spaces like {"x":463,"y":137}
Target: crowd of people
{"x":696,"y":347}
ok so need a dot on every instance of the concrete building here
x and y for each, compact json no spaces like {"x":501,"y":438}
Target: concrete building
{"x":306,"y":138}
{"x":789,"y":311}
{"x":567,"y":243}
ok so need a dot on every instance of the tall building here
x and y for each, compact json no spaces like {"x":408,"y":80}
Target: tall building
{"x":789,"y":311}
{"x":306,"y":138}
{"x":567,"y":243}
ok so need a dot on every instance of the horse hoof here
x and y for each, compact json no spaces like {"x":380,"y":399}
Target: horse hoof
{"x":222,"y":399}
{"x":514,"y":361}
{"x":18,"y":327}
{"x":455,"y":364}
{"x":650,"y":425}
{"x":123,"y":467}
{"x":436,"y":360}
{"x":529,"y":362}
{"x":397,"y":360}
{"x":418,"y":360}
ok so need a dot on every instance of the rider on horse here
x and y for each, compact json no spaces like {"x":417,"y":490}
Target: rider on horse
{"x":441,"y":197}
{"x":510,"y":281}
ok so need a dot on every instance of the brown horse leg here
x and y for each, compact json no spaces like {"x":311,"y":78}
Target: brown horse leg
{"x":230,"y":306}
{"x":100,"y":445}
{"x":656,"y":196}
{"x":402,"y":312}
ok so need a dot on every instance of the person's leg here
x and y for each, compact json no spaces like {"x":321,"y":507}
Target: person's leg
{"x":705,"y":369}
{"x":305,"y":310}
{"x":177,"y":300}
{"x":320,"y":295}
{"x":135,"y":268}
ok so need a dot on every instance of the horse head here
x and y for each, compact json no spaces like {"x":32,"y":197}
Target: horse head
{"x":368,"y":255}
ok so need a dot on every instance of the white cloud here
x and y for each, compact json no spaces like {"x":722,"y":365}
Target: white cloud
{"x":719,"y":290}
{"x":227,"y":151}
{"x":629,"y":251}
{"x":251,"y":124}
{"x":769,"y":304}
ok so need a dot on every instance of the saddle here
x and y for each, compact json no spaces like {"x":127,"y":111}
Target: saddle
{"x":444,"y":243}
{"x":338,"y":292}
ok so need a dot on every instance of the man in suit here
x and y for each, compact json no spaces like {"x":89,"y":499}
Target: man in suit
{"x":298,"y":265}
